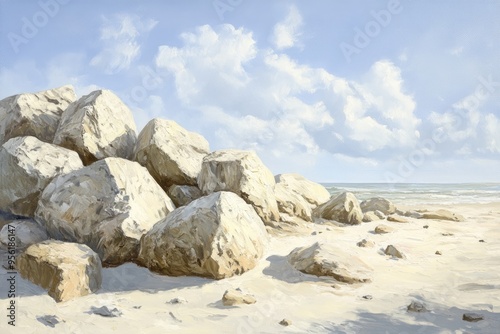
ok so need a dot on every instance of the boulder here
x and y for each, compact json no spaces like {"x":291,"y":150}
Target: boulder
{"x":97,"y":126}
{"x":322,"y":259}
{"x":27,"y":165}
{"x":108,"y":205}
{"x":397,"y":219}
{"x":370,"y":216}
{"x":378,"y":204}
{"x":183,"y":195}
{"x":21,"y":234}
{"x":172,"y":154}
{"x":472,"y":317}
{"x":442,"y":215}
{"x":416,"y":307}
{"x":35,"y":114}
{"x":366,"y":243}
{"x":383,"y":229}
{"x":314,"y":193}
{"x":394,"y":252}
{"x":343,"y":208}
{"x":291,"y":203}
{"x":236,"y":297}
{"x":66,"y":270}
{"x":243,"y":173}
{"x":215,"y":236}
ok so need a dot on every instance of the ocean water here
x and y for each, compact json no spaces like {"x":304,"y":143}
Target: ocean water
{"x":422,"y":193}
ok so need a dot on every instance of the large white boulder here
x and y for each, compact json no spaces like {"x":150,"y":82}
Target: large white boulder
{"x":66,"y":270}
{"x":312,"y":192}
{"x":35,"y":114}
{"x":108,"y":205}
{"x":343,"y":208}
{"x":323,"y":259}
{"x":291,"y":203}
{"x":27,"y":165}
{"x":97,"y":126}
{"x":243,"y":173}
{"x":215,"y":236}
{"x":172,"y":154}
{"x":378,"y":204}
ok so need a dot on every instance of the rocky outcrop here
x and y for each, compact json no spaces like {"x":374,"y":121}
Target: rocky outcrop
{"x":236,"y":297}
{"x":443,"y":215}
{"x":343,"y":208}
{"x":108,"y":205}
{"x":215,"y":236}
{"x":183,"y":195}
{"x":291,"y":203}
{"x":27,"y":165}
{"x":243,"y":173}
{"x":21,"y":234}
{"x":35,"y":114}
{"x":66,"y":270}
{"x":378,"y":203}
{"x":326,"y":260}
{"x":172,"y":154}
{"x":97,"y":126}
{"x":314,"y":193}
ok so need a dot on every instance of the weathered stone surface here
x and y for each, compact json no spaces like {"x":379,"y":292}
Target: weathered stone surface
{"x":314,"y":193}
{"x":35,"y":114}
{"x":326,"y":260}
{"x":443,"y":215}
{"x":472,"y":317}
{"x":394,"y":252}
{"x":378,"y":203}
{"x":22,"y":233}
{"x":97,"y":126}
{"x":27,"y":165}
{"x":172,"y":154}
{"x":343,"y":208}
{"x":397,"y":219}
{"x":66,"y":270}
{"x":416,"y":307}
{"x":370,"y":216}
{"x":285,"y":322}
{"x":236,"y":297}
{"x":383,"y":229}
{"x":215,"y":236}
{"x":183,"y":195}
{"x":108,"y":205}
{"x":243,"y":173}
{"x":291,"y":203}
{"x":366,"y":243}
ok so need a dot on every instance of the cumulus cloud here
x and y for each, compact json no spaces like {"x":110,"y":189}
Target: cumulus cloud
{"x":286,"y":33}
{"x":119,"y":36}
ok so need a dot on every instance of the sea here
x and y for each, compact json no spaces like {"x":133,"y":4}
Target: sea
{"x":422,"y":193}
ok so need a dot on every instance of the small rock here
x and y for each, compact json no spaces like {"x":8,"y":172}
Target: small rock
{"x":397,"y":219}
{"x":370,"y":216}
{"x":285,"y":322}
{"x":49,"y":320}
{"x":482,"y":240}
{"x":365,"y":243}
{"x":178,"y":301}
{"x":426,"y":226}
{"x":314,"y":233}
{"x":416,"y":307}
{"x":367,"y":297}
{"x":394,"y":252}
{"x":235,"y":297}
{"x":438,"y":253}
{"x":174,"y":317}
{"x":137,"y":307}
{"x":383,"y":229}
{"x":447,"y":234}
{"x":104,"y":311}
{"x":472,"y":317}
{"x":443,"y":215}
{"x":335,"y":286}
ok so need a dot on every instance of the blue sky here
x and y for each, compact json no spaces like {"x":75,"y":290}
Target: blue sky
{"x":340,"y":91}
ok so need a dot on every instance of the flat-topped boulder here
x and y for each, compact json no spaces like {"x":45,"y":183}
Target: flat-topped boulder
{"x":442,"y":215}
{"x":97,"y":126}
{"x":34,"y":114}
{"x":343,"y":208}
{"x":108,"y":206}
{"x":314,"y":193}
{"x":378,"y":204}
{"x":172,"y":154}
{"x":65,"y":270}
{"x":243,"y":173}
{"x":215,"y":236}
{"x":27,"y":165}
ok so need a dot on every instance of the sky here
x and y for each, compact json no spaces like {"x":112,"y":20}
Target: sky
{"x":339,"y":91}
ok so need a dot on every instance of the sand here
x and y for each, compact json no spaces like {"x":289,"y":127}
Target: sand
{"x":465,"y":278}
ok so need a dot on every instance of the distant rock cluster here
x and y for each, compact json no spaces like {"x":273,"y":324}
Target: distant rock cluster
{"x":92,"y":192}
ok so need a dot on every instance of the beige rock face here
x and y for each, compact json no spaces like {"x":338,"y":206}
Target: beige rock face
{"x":378,"y":204}
{"x":370,"y":216}
{"x":326,"y":260}
{"x":394,"y":252}
{"x":35,"y":114}
{"x":243,"y":173}
{"x":291,"y":203}
{"x":22,"y":233}
{"x":172,"y":154}
{"x":66,"y":270}
{"x":312,"y":192}
{"x":215,"y":236}
{"x":343,"y":208}
{"x":183,"y":195}
{"x":108,"y":205}
{"x":27,"y":165}
{"x":236,"y":297}
{"x":383,"y":229}
{"x":97,"y":126}
{"x":443,"y":215}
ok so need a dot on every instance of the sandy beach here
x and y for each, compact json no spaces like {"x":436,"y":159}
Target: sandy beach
{"x":465,"y":278}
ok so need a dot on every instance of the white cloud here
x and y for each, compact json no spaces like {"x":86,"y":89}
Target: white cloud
{"x":286,"y":33}
{"x":119,"y":36}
